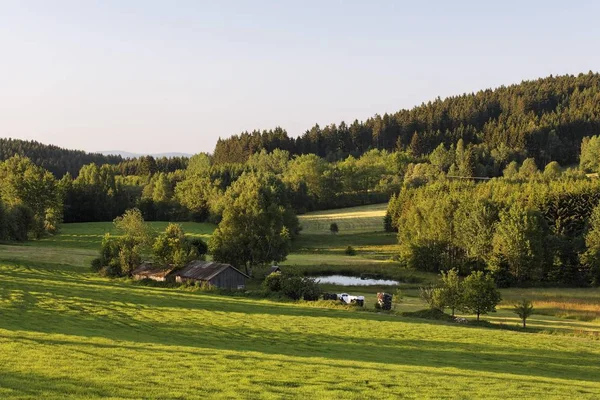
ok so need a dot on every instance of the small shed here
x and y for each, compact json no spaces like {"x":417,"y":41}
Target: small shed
{"x":148,"y":270}
{"x":274,"y":268}
{"x":220,"y":275}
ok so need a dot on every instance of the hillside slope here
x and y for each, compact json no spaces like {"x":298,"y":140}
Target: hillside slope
{"x":55,"y":159}
{"x":544,"y":118}
{"x":66,"y":333}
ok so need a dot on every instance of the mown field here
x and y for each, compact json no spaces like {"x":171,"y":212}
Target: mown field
{"x":349,"y":220}
{"x":66,"y":333}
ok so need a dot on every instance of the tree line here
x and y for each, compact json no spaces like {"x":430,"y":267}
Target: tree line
{"x":544,"y":119}
{"x":523,"y":230}
{"x":196,"y":193}
{"x":55,"y":159}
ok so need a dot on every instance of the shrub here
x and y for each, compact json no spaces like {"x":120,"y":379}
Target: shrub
{"x":20,"y":222}
{"x":397,"y":298}
{"x":333,"y":228}
{"x":122,"y":255}
{"x":433,"y":297}
{"x":293,"y":287}
{"x":110,"y":271}
{"x":200,"y":245}
{"x":273,"y":282}
{"x":350,"y":251}
{"x":96,"y":264}
{"x":311,"y":290}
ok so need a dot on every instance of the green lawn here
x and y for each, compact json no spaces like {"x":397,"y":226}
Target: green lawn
{"x":66,"y":333}
{"x":349,"y":220}
{"x":89,"y":235}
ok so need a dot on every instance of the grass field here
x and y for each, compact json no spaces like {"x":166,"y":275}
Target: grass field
{"x":349,"y":220}
{"x":66,"y":333}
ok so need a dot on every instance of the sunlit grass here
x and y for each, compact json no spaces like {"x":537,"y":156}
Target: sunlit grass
{"x":89,"y":235}
{"x":349,"y":220}
{"x":67,"y":333}
{"x":579,"y":304}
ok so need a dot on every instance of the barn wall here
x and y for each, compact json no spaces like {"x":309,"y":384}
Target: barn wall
{"x":229,"y":279}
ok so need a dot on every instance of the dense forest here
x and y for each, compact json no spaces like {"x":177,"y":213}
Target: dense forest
{"x":509,"y":187}
{"x":545,"y":119}
{"x":57,"y":160}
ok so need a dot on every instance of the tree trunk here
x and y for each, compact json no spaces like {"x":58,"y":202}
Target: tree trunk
{"x":524,"y":324}
{"x":453,"y":312}
{"x":477,"y":316}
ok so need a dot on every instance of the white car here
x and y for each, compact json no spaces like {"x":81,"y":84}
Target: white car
{"x":348,"y":299}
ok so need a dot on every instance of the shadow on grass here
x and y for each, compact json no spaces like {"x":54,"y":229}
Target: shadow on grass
{"x":119,"y":323}
{"x":483,"y":357}
{"x":61,"y":302}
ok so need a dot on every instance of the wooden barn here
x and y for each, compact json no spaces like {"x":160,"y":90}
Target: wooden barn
{"x":220,"y":275}
{"x":148,"y":270}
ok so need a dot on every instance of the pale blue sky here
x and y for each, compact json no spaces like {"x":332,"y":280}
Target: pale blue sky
{"x":157,"y":76}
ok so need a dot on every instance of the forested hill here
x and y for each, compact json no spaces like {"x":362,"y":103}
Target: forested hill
{"x":53,"y":158}
{"x":545,"y":119}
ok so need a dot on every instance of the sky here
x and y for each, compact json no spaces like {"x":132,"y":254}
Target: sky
{"x":174,"y":76}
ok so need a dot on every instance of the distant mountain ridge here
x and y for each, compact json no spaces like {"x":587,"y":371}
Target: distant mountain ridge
{"x":127,"y":154}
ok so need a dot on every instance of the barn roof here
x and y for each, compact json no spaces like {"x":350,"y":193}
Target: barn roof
{"x":204,"y":270}
{"x":274,"y":268}
{"x":147,"y":269}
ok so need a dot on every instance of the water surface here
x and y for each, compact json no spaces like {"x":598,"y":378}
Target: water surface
{"x":353,"y":281}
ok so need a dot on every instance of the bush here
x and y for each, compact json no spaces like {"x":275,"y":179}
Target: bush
{"x":397,"y":298}
{"x":96,"y":264}
{"x":273,"y":282}
{"x":110,"y":271}
{"x":350,"y":251}
{"x":293,"y":287}
{"x":121,"y":255}
{"x":333,"y":228}
{"x":20,"y":222}
{"x":200,"y":245}
{"x":433,"y":297}
{"x":311,"y":290}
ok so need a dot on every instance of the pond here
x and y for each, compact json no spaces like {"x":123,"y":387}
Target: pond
{"x":353,"y":281}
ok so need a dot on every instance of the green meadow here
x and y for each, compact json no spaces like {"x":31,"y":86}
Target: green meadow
{"x":67,"y":333}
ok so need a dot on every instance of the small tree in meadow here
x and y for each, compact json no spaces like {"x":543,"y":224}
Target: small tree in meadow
{"x":451,"y":290}
{"x":397,"y":298}
{"x":480,"y":294}
{"x":433,"y":297}
{"x":524,"y":309}
{"x":132,"y":226}
{"x":333,"y":228}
